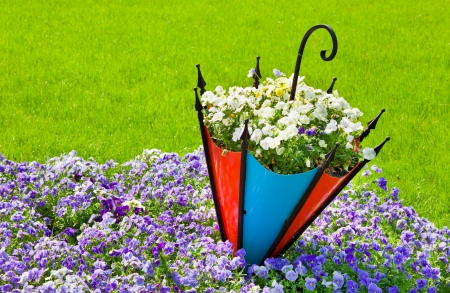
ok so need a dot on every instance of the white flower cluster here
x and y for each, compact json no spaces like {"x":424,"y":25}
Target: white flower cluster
{"x":314,"y":119}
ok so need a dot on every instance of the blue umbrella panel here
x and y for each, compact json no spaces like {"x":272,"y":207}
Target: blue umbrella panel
{"x":269,"y":200}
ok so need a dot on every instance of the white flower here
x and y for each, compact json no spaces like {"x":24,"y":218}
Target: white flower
{"x":278,"y":73}
{"x":304,"y":119}
{"x":286,"y":120}
{"x":290,"y":131}
{"x":233,"y":102}
{"x":308,"y":163}
{"x":265,"y":143}
{"x":257,"y":153}
{"x":267,"y":130}
{"x":219,"y":90}
{"x":275,"y":142}
{"x":322,"y":143}
{"x":237,"y":133}
{"x":266,"y":103}
{"x":208,"y":97}
{"x":24,"y":279}
{"x":309,"y":93}
{"x":348,"y":145}
{"x":60,"y":273}
{"x":320,"y":112}
{"x":332,"y":126}
{"x":134,"y":203}
{"x":350,"y":138}
{"x":251,"y":72}
{"x":342,"y":103}
{"x":267,"y":112}
{"x":348,"y":126}
{"x":353,"y":113}
{"x":217,"y":116}
{"x":270,"y":89}
{"x":256,"y":136}
{"x":282,"y":106}
{"x":369,"y":153}
{"x":303,"y":108}
{"x":226,"y":122}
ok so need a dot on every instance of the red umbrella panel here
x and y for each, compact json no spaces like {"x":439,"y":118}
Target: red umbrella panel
{"x":325,"y":191}
{"x":225,"y":168}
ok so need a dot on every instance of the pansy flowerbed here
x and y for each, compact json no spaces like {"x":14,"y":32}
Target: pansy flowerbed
{"x":74,"y":225}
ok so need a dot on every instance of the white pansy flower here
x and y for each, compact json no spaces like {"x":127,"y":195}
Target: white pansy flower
{"x":237,"y":133}
{"x":251,"y":72}
{"x":283,"y":135}
{"x":350,"y":138}
{"x":218,"y":116}
{"x":267,"y":130}
{"x":326,"y":99}
{"x":304,"y":119}
{"x":278,"y":73}
{"x":24,"y":278}
{"x":286,"y":120}
{"x":281,"y":106}
{"x":242,"y":100}
{"x":348,"y":145}
{"x":266,"y":103}
{"x":342,"y":103}
{"x":232,"y":102}
{"x":258,"y":153}
{"x":357,"y":126}
{"x":348,"y":126}
{"x":256,"y":136}
{"x":322,"y":143}
{"x":60,"y":273}
{"x":219,"y":90}
{"x":270,"y":89}
{"x":134,"y":203}
{"x":267,"y":112}
{"x":293,"y":114}
{"x":308,"y":162}
{"x":353,"y":113}
{"x":290,"y":131}
{"x":307,"y":108}
{"x":264,"y":143}
{"x":320,"y":112}
{"x":357,"y":112}
{"x":208,"y":97}
{"x":309,"y":93}
{"x":235,"y":90}
{"x":332,"y":126}
{"x":275,"y":142}
{"x":226,"y":122}
{"x":369,"y":153}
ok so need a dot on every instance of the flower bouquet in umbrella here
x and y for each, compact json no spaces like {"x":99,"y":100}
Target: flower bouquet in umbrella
{"x":278,"y":152}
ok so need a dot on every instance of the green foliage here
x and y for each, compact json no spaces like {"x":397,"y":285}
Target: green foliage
{"x":109,"y":78}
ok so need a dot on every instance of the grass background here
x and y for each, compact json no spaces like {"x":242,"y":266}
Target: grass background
{"x":109,"y":78}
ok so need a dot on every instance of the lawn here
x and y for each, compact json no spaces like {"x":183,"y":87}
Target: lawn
{"x":110,"y":78}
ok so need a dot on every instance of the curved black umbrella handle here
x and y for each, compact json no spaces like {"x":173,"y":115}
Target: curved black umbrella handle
{"x":322,"y":53}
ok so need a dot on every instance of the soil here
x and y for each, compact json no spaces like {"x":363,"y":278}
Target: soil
{"x":336,"y":172}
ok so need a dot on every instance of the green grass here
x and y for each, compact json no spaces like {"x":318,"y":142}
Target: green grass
{"x":109,"y":78}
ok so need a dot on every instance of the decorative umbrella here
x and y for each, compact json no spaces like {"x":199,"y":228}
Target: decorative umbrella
{"x":257,"y":209}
